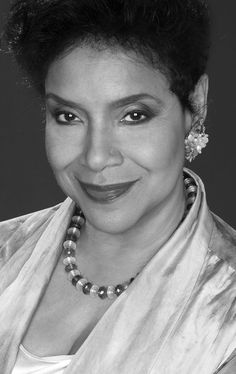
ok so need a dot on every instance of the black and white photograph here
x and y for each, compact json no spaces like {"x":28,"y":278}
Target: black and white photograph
{"x":118,"y":187}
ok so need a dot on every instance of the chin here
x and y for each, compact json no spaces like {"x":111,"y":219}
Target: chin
{"x":108,"y":218}
{"x":115,"y":221}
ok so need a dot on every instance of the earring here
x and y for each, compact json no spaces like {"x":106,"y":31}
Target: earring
{"x":196,"y":140}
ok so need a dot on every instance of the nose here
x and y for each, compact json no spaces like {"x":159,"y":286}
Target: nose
{"x":101,"y":149}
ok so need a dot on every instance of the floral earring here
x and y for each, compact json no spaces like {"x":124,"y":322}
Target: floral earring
{"x":196,"y":140}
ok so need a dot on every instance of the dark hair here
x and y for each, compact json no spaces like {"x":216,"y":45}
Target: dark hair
{"x":172,"y":35}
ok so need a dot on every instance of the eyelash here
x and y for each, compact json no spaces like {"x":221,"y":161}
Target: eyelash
{"x":146,"y":114}
{"x":69,"y":122}
{"x":57,"y":114}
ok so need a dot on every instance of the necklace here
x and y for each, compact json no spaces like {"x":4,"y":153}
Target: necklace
{"x":70,"y":244}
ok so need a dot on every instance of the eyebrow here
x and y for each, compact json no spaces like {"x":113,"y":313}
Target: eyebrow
{"x":116,"y":104}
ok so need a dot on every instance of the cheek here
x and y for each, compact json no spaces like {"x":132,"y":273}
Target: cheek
{"x":62,"y":148}
{"x":159,"y":150}
{"x":61,"y":154}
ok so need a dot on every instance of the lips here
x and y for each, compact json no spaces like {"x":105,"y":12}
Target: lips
{"x":107,"y":193}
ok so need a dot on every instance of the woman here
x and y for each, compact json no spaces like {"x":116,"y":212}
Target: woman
{"x":151,"y":270}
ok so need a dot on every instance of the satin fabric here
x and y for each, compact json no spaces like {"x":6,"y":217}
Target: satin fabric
{"x":178,"y":316}
{"x":27,"y":363}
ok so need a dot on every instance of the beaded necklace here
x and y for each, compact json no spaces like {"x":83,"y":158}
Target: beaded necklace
{"x":70,"y":244}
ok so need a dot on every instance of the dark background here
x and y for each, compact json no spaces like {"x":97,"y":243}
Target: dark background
{"x":26,"y":181}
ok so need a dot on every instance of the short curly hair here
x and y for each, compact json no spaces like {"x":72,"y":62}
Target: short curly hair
{"x":172,"y":35}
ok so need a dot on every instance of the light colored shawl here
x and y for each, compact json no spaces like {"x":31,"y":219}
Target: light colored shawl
{"x":178,"y":316}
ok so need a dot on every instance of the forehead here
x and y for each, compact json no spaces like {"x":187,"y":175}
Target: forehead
{"x":91,"y":73}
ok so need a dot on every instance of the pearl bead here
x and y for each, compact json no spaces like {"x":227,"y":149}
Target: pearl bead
{"x":126,"y":285}
{"x":86,"y":288}
{"x":102,"y":292}
{"x":72,"y":274}
{"x":69,"y":260}
{"x":70,"y":267}
{"x":75,"y":219}
{"x":94,"y":290}
{"x":74,"y":231}
{"x":111,"y":292}
{"x":69,"y":253}
{"x":69,"y":244}
{"x":81,"y":283}
{"x":78,"y":211}
{"x":75,"y":280}
{"x":71,"y":237}
{"x":78,"y":220}
{"x":119,"y":289}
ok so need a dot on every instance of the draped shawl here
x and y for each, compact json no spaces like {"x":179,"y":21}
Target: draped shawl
{"x":178,"y":316}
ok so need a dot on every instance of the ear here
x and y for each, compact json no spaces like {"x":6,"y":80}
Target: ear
{"x":199,"y":97}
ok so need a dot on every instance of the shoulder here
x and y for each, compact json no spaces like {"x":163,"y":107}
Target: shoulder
{"x":223,"y":241}
{"x":19,"y":228}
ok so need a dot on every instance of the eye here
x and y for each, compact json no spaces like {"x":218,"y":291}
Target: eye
{"x":63,"y":117}
{"x":134,"y":117}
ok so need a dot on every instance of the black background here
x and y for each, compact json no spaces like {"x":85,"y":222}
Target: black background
{"x":27,"y":183}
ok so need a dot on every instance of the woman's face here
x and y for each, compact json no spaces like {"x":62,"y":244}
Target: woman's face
{"x":114,"y":136}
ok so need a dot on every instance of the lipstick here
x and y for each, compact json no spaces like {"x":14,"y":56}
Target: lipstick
{"x":107,"y":193}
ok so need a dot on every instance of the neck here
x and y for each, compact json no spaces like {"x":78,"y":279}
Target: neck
{"x":124,"y":255}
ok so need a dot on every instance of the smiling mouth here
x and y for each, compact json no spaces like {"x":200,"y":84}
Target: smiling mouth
{"x":107,"y":193}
